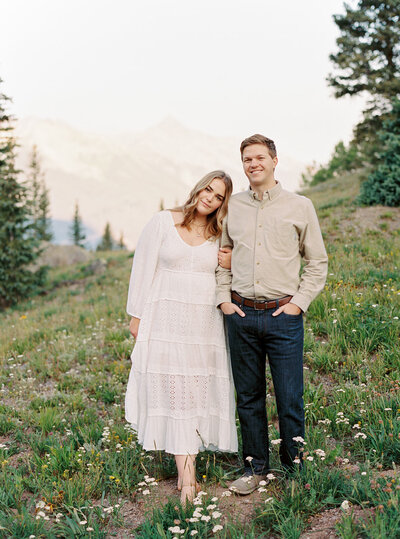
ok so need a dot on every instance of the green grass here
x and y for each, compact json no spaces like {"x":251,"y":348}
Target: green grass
{"x":69,"y":463}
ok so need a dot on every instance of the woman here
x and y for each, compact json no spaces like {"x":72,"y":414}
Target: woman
{"x":180,"y":395}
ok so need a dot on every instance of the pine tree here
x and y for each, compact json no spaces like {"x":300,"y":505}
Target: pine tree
{"x":18,"y":245}
{"x":107,"y":242}
{"x":383,"y":185}
{"x":39,"y":196}
{"x":121,"y":244}
{"x":77,"y":233}
{"x":368,"y":59}
{"x":43,"y":224}
{"x":368,"y":63}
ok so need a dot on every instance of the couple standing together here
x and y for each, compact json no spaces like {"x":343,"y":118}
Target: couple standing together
{"x":180,"y":395}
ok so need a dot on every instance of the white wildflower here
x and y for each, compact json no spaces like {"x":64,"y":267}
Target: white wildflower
{"x":345,"y":505}
{"x":276,"y":442}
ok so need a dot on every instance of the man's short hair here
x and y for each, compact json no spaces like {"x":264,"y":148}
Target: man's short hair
{"x":259,"y":139}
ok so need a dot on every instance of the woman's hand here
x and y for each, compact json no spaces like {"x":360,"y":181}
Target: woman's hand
{"x":134,"y":326}
{"x":224,"y":257}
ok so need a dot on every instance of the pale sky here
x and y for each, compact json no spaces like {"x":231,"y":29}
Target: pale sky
{"x":224,"y":67}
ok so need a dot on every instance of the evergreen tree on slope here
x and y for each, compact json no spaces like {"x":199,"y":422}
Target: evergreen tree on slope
{"x":383,"y":185}
{"x":18,"y":245}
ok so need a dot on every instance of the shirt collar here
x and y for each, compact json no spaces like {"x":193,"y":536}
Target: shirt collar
{"x":269,"y":194}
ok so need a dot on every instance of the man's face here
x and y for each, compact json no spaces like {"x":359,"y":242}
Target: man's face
{"x":258,"y":165}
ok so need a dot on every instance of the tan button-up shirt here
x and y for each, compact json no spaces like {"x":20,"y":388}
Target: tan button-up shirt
{"x":269,"y":238}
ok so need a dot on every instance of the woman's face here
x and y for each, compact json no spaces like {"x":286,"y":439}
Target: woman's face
{"x":211,"y":198}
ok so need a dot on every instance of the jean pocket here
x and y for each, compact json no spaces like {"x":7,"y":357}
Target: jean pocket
{"x":292,"y":315}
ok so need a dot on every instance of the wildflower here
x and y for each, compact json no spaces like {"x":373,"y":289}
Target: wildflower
{"x":310,"y":458}
{"x":307,"y":486}
{"x":299,"y":439}
{"x":363,"y":473}
{"x":108,"y":509}
{"x":193,"y":532}
{"x":356,"y":426}
{"x":32,"y":536}
{"x":40,"y":514}
{"x":216,"y":514}
{"x":262,"y":483}
{"x":335,"y":321}
{"x":176,"y":529}
{"x":146,"y":492}
{"x":360,"y":435}
{"x":249,"y":458}
{"x":217,"y":528}
{"x":90,"y":529}
{"x":320,"y":452}
{"x":296,"y":460}
{"x":270,"y":477}
{"x":269,"y":500}
{"x":211,"y":507}
{"x":193,"y":519}
{"x":388,"y":409}
{"x":226,"y":493}
{"x":276,"y":442}
{"x":206,"y":518}
{"x":196,"y":513}
{"x":345,"y":505}
{"x":202,"y":493}
{"x":215,"y":499}
{"x":83,"y":522}
{"x":262,"y":489}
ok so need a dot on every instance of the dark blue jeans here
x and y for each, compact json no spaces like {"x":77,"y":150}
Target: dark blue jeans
{"x":251,"y":339}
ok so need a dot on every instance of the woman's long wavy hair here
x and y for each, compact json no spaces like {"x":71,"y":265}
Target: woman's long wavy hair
{"x":214,"y":220}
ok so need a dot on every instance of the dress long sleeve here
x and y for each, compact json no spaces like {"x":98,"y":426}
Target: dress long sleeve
{"x":144,"y":265}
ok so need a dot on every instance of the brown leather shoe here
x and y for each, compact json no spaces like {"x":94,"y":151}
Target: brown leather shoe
{"x":246,"y":484}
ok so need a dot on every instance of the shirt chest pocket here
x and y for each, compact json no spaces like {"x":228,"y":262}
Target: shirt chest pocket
{"x":281,"y":238}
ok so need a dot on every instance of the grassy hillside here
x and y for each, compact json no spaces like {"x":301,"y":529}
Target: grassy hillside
{"x":71,"y":467}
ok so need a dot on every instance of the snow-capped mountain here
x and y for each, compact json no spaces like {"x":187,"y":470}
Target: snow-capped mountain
{"x":122,"y":179}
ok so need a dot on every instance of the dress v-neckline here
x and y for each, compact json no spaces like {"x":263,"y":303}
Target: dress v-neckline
{"x":180,"y":237}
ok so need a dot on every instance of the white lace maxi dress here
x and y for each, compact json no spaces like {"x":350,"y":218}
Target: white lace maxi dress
{"x":180,"y":394}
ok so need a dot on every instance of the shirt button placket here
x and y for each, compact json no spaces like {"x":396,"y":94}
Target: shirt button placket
{"x":258,"y":246}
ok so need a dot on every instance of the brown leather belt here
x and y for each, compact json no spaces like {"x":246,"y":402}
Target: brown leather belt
{"x":260,"y":305}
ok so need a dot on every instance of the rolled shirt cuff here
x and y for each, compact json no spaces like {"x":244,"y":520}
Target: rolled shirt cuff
{"x":223,"y":297}
{"x":301,"y":301}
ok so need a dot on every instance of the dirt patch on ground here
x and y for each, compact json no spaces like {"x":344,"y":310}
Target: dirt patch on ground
{"x":379,"y":218}
{"x":134,"y":511}
{"x":322,"y":526}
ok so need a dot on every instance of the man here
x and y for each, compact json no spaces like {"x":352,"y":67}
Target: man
{"x":263,"y":298}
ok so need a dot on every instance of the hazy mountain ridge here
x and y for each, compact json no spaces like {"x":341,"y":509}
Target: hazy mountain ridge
{"x":122,"y":178}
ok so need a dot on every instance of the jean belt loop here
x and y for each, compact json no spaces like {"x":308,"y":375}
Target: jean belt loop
{"x":277,"y":303}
